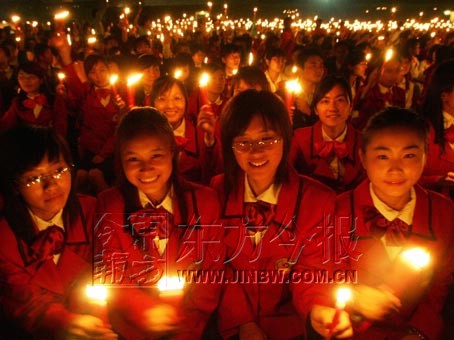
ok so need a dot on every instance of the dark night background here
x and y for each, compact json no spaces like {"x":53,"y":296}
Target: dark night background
{"x":348,"y":9}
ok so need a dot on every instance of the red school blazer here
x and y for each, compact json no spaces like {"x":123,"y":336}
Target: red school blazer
{"x":306,"y":161}
{"x":114,"y":236}
{"x":433,"y":226}
{"x":279,"y":308}
{"x":39,"y":298}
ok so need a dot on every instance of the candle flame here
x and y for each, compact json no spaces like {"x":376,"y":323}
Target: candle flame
{"x":389,"y":54}
{"x":294,"y":69}
{"x":134,"y":78}
{"x":368,"y":56}
{"x":293,"y":86}
{"x":15,"y":18}
{"x":61,"y":15}
{"x":178,"y":73}
{"x":235,"y":71}
{"x":113,"y":79}
{"x":91,"y":40}
{"x":96,"y":293}
{"x":251,"y":58}
{"x":418,"y":258}
{"x":204,"y":79}
{"x":170,"y":283}
{"x":61,"y":76}
{"x":343,"y":295}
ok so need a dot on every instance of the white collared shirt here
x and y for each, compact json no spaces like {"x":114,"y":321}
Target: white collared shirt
{"x":167,"y":205}
{"x":104,"y":101}
{"x":41,"y":224}
{"x":406,"y":215}
{"x":270,"y":195}
{"x":180,"y":131}
{"x":385,"y":90}
{"x":273,"y":84}
{"x":335,"y":165}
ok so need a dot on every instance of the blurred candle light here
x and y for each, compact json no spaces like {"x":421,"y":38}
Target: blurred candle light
{"x":251,"y":58}
{"x":131,"y":82}
{"x":171,"y":289}
{"x":97,"y":297}
{"x":91,"y":40}
{"x":15,"y":19}
{"x":113,"y":80}
{"x":389,"y":54}
{"x":417,"y":258}
{"x":61,"y":15}
{"x":177,"y":74}
{"x":61,"y":76}
{"x":343,"y":295}
{"x":292,"y":87}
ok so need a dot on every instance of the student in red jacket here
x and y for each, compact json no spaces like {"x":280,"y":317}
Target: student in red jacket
{"x":381,"y":90}
{"x":156,"y":224}
{"x":46,"y":231}
{"x":438,"y":109}
{"x":271,"y":215}
{"x":199,"y":148}
{"x":100,"y":108}
{"x":328,"y":150}
{"x":388,"y":215}
{"x":35,"y":105}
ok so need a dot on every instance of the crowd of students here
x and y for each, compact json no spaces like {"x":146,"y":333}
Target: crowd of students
{"x":119,"y":185}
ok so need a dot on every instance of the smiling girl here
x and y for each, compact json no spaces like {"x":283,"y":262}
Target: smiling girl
{"x":328,"y":150}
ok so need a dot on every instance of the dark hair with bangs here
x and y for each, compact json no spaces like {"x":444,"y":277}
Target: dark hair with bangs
{"x":21,"y":149}
{"x":146,"y":122}
{"x":92,"y":60}
{"x":326,"y":85}
{"x":236,"y":118}
{"x":164,"y":84}
{"x":394,"y":117}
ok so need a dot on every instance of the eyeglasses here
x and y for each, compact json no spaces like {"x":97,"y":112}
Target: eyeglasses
{"x":263,"y":144}
{"x":36,"y":180}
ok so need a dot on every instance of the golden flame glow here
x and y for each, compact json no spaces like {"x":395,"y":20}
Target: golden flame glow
{"x":389,"y":54}
{"x":61,"y":76}
{"x":418,"y":258}
{"x":15,"y":18}
{"x":343,"y":295}
{"x":134,"y":78}
{"x":170,"y":283}
{"x":61,"y":15}
{"x":96,"y":293}
{"x":113,"y":79}
{"x":204,"y":79}
{"x":293,"y":86}
{"x":177,"y":74}
{"x":251,"y":58}
{"x":91,"y":40}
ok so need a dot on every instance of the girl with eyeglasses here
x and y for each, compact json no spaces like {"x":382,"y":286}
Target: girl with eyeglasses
{"x":164,"y":226}
{"x":272,"y":213}
{"x":45,"y":260}
{"x":328,"y":150}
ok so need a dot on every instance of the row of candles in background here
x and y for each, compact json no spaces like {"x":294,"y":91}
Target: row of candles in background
{"x":407,"y":272}
{"x":178,"y":27}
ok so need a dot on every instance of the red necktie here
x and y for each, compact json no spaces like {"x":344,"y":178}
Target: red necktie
{"x":449,"y":134}
{"x":328,"y":149}
{"x":258,"y":215}
{"x":30,"y":103}
{"x":102,"y":93}
{"x":150,"y":222}
{"x":395,"y":231}
{"x":47,"y":243}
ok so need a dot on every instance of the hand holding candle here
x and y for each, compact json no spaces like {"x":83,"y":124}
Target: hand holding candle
{"x":97,"y":298}
{"x":343,"y":295}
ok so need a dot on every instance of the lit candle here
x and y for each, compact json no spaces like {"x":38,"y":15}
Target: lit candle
{"x":97,"y":298}
{"x":203,"y":82}
{"x":61,"y":15}
{"x":61,"y":76}
{"x":178,"y":73}
{"x":132,"y":80}
{"x":389,"y":54}
{"x":343,"y":295}
{"x":408,"y":270}
{"x":171,"y":289}
{"x":292,"y":87}
{"x":113,"y":79}
{"x":251,"y":58}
